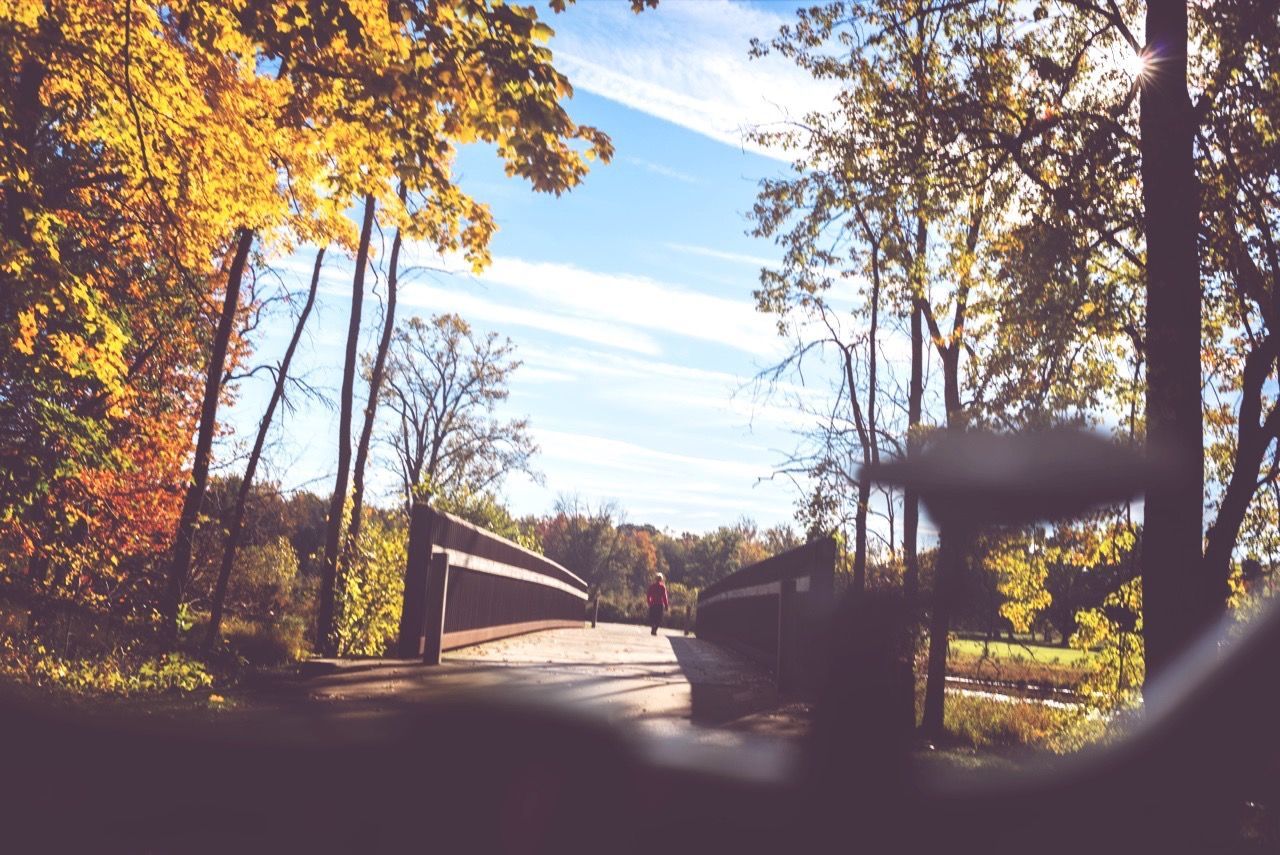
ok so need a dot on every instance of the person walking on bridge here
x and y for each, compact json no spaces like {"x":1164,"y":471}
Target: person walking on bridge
{"x":658,"y":603}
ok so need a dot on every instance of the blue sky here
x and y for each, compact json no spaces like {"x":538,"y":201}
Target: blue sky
{"x":628,"y":299}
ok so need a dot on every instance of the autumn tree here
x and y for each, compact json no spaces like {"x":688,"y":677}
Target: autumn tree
{"x":108,"y":237}
{"x":374,"y":377}
{"x":585,"y":539}
{"x":888,"y":192}
{"x":235,"y":526}
{"x":455,"y":73}
{"x":444,"y":384}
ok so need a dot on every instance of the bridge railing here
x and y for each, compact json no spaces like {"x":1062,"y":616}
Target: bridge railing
{"x":464,"y":585}
{"x":771,"y":610}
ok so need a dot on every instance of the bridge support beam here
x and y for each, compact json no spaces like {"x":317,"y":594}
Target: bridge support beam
{"x":413,"y":617}
{"x":437,"y":590}
{"x":785,"y":667}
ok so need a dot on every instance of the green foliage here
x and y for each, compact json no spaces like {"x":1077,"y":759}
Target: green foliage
{"x":276,"y":642}
{"x":115,"y":674}
{"x":632,"y":607}
{"x":372,"y":589}
{"x":483,"y":508}
{"x":1114,"y":634}
{"x":264,"y":577}
{"x":1022,"y":573}
{"x":987,"y":722}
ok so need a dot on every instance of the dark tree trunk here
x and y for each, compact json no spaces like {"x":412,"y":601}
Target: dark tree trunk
{"x":333,"y":531}
{"x":951,"y":386}
{"x":864,"y":486}
{"x":375,"y":387}
{"x":952,"y":558}
{"x":915,"y":400}
{"x":947,"y":569}
{"x":180,"y":565}
{"x":1254,"y":435}
{"x":1179,"y":599}
{"x":27,"y":114}
{"x":246,"y":484}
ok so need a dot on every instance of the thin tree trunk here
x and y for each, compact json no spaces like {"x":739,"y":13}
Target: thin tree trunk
{"x":246,"y":483}
{"x":915,"y":400}
{"x":1254,"y":435}
{"x":866,"y":430}
{"x":952,"y":559}
{"x":1179,"y":598}
{"x":375,"y":388}
{"x":333,"y":531}
{"x":180,"y":565}
{"x":864,"y":486}
{"x":948,"y":566}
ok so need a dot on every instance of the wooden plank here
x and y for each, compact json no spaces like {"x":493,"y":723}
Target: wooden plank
{"x":437,"y":592}
{"x":468,"y":637}
{"x":797,"y":562}
{"x":481,"y":564}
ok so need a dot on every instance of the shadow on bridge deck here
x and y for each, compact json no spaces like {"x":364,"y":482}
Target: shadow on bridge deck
{"x":662,"y":685}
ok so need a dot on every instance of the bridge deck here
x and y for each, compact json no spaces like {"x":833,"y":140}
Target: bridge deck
{"x":668,"y":684}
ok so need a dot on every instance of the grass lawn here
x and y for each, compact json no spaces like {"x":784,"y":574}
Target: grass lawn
{"x":1017,"y":662}
{"x":1016,"y":651}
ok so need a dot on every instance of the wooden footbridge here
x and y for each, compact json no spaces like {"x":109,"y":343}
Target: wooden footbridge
{"x":483,"y":614}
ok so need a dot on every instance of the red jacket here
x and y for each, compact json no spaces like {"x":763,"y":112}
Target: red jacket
{"x":658,"y":594}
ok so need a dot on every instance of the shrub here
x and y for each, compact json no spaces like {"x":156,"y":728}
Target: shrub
{"x":372,"y":590}
{"x":983,"y":722}
{"x":268,"y":643}
{"x":119,"y":673}
{"x":631,"y":607}
{"x":264,"y":577}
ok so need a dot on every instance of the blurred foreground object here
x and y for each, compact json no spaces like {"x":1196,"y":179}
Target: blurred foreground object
{"x":979,"y":478}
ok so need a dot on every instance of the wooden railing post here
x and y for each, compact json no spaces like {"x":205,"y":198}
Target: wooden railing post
{"x":786,"y":640}
{"x":413,"y":614}
{"x":437,"y":592}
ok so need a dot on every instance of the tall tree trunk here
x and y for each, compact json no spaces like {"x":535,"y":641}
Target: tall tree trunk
{"x":867,"y":430}
{"x":1254,"y":434}
{"x":375,"y":388}
{"x":948,"y":564}
{"x":952,"y":560}
{"x":333,"y":530}
{"x":26,"y":119}
{"x":193,"y":502}
{"x":1179,"y":599}
{"x":864,"y":486}
{"x":246,"y":483}
{"x":915,"y":401}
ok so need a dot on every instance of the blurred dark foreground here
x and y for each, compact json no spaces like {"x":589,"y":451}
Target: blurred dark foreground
{"x":508,"y":775}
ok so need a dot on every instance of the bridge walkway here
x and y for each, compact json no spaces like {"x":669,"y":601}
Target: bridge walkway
{"x":663,"y":685}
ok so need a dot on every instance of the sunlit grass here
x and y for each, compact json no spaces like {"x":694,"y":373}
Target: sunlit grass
{"x":1015,"y":651}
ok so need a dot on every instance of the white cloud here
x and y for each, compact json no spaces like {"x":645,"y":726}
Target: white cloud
{"x":753,"y":260}
{"x":594,"y":306}
{"x":701,"y":473}
{"x":656,"y":485}
{"x":638,"y":301}
{"x":666,"y":171}
{"x":705,"y":399}
{"x":476,"y":308}
{"x":687,"y":63}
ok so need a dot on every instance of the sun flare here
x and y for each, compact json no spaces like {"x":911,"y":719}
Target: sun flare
{"x":1138,"y":65}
